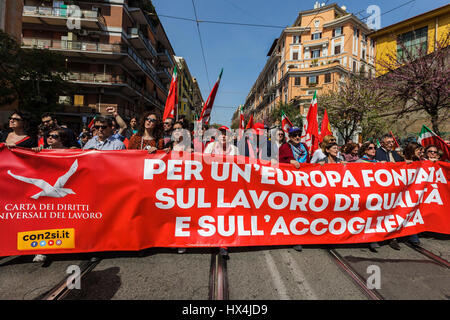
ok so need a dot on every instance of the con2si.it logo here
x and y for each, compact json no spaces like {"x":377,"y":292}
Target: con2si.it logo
{"x":46,"y":239}
{"x":55,"y":191}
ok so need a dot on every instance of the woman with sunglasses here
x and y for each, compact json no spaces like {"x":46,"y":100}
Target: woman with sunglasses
{"x":148,"y":136}
{"x":18,"y":134}
{"x":293,"y":151}
{"x":56,"y":139}
{"x":367,"y":152}
{"x":432,"y":153}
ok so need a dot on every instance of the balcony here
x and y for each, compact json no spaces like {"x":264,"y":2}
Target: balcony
{"x":129,"y":87}
{"x":89,"y":19}
{"x":164,"y":75}
{"x":141,"y":43}
{"x":166,"y":59}
{"x":140,"y":17}
{"x":77,"y":48}
{"x":94,"y":50}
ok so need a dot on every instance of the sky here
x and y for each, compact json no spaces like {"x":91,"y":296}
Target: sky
{"x":242,"y":50}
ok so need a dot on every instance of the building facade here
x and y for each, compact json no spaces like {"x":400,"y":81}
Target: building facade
{"x":189,"y":95}
{"x":322,"y":46}
{"x":421,"y":32}
{"x":117,"y":54}
{"x":10,"y":17}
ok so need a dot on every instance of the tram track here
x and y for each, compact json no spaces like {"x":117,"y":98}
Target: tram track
{"x":354,"y":275}
{"x":430,"y":255}
{"x":63,"y":288}
{"x":218,"y":278}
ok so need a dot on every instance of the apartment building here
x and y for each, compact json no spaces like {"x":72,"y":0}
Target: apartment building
{"x":189,"y":95}
{"x":116,"y":51}
{"x":421,"y":32}
{"x":10,"y":17}
{"x":322,"y":46}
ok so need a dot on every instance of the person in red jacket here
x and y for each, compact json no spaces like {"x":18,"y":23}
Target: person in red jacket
{"x":293,"y":152}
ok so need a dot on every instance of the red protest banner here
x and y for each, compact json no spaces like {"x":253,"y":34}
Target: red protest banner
{"x":62,"y":201}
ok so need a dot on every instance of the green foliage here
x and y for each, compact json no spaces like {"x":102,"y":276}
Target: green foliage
{"x":35,"y":77}
{"x":290,"y":110}
{"x":354,"y":107}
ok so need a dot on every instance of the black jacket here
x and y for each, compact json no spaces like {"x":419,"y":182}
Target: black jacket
{"x":382,"y":155}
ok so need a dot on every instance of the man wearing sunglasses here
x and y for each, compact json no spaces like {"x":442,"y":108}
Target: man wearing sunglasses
{"x":50,"y":123}
{"x":104,"y":140}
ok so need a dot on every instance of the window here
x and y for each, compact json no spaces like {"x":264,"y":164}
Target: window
{"x":315,"y":54}
{"x":316,"y":36}
{"x":414,"y":42}
{"x":312,"y":80}
{"x":337,"y":49}
{"x":337,"y":32}
{"x":295,"y":55}
{"x":363,"y":54}
{"x":296,"y":39}
{"x":297,"y":81}
{"x":327,"y":77}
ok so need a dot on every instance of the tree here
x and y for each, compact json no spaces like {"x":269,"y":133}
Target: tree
{"x":417,"y":78}
{"x":34,"y":77}
{"x":354,"y":106}
{"x":290,"y":110}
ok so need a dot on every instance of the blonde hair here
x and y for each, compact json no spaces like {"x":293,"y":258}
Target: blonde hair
{"x":326,"y":140}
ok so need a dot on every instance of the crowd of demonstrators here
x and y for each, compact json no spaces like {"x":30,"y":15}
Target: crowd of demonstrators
{"x":149,"y":133}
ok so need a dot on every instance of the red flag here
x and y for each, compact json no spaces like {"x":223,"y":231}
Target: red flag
{"x":92,"y":122}
{"x":286,"y":124}
{"x":395,"y":140}
{"x":325,"y":129}
{"x":250,"y":123}
{"x":207,"y":108}
{"x":170,"y":110}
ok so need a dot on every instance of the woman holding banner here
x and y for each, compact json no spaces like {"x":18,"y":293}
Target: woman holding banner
{"x":294,"y":152}
{"x":18,"y":135}
{"x":148,"y":135}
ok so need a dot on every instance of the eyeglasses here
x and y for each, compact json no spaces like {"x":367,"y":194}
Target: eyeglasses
{"x":46,"y":121}
{"x":166,"y":123}
{"x":150,"y":119}
{"x":15,"y":119}
{"x":431,"y":151}
{"x":102,"y":127}
{"x":295,"y":135}
{"x":371,"y":148}
{"x":53,"y":136}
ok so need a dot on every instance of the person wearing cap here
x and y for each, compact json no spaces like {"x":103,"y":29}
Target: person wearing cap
{"x":223,"y":144}
{"x":293,"y":151}
{"x":255,"y":144}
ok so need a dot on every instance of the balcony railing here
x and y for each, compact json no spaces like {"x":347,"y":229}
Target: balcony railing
{"x":73,"y":45}
{"x":95,"y":47}
{"x":111,"y":79}
{"x":62,"y":13}
{"x":135,"y":32}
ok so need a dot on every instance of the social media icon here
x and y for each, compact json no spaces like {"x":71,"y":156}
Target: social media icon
{"x":42,"y":243}
{"x":50,"y":242}
{"x":34,"y":244}
{"x":58,"y":242}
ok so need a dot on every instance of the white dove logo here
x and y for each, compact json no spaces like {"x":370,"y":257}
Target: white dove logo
{"x":55,"y":191}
